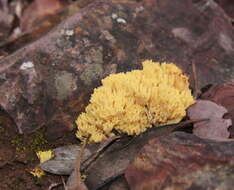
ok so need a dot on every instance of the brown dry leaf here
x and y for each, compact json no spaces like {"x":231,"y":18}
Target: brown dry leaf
{"x":223,"y":94}
{"x":65,"y":158}
{"x":105,"y":162}
{"x":216,"y":127}
{"x":37,"y":11}
{"x":119,"y":183}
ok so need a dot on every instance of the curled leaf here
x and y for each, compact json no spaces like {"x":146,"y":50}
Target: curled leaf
{"x":223,"y":94}
{"x":64,"y":160}
{"x":216,"y":127}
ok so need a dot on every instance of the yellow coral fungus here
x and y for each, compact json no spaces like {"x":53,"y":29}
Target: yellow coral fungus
{"x":37,"y":172}
{"x":42,"y":156}
{"x":134,"y":101}
{"x":45,"y":155}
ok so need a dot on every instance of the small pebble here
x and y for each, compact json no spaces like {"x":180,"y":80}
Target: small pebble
{"x":69,"y":32}
{"x":114,"y":16}
{"x":121,"y":20}
{"x":27,"y":65}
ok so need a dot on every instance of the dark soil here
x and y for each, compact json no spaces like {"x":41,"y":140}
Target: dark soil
{"x":18,"y":157}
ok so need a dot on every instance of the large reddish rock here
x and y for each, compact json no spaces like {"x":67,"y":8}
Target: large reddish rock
{"x":49,"y":81}
{"x":182,"y":161}
{"x":228,"y":6}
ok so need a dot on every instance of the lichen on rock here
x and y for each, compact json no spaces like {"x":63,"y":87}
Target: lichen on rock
{"x":91,"y":73}
{"x":65,"y":84}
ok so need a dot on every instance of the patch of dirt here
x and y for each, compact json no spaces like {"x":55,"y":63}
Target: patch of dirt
{"x":18,"y":157}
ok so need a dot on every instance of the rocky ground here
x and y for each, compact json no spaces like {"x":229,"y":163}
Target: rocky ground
{"x":54,"y":53}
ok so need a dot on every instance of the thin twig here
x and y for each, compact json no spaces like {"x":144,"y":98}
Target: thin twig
{"x":64,"y":185}
{"x":53,"y":185}
{"x":195,"y":92}
{"x":75,"y":182}
{"x":80,"y":184}
{"x":185,"y":123}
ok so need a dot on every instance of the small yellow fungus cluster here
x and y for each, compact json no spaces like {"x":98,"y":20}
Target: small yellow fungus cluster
{"x":37,"y":172}
{"x":45,"y":155}
{"x":134,"y":101}
{"x":42,"y":156}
